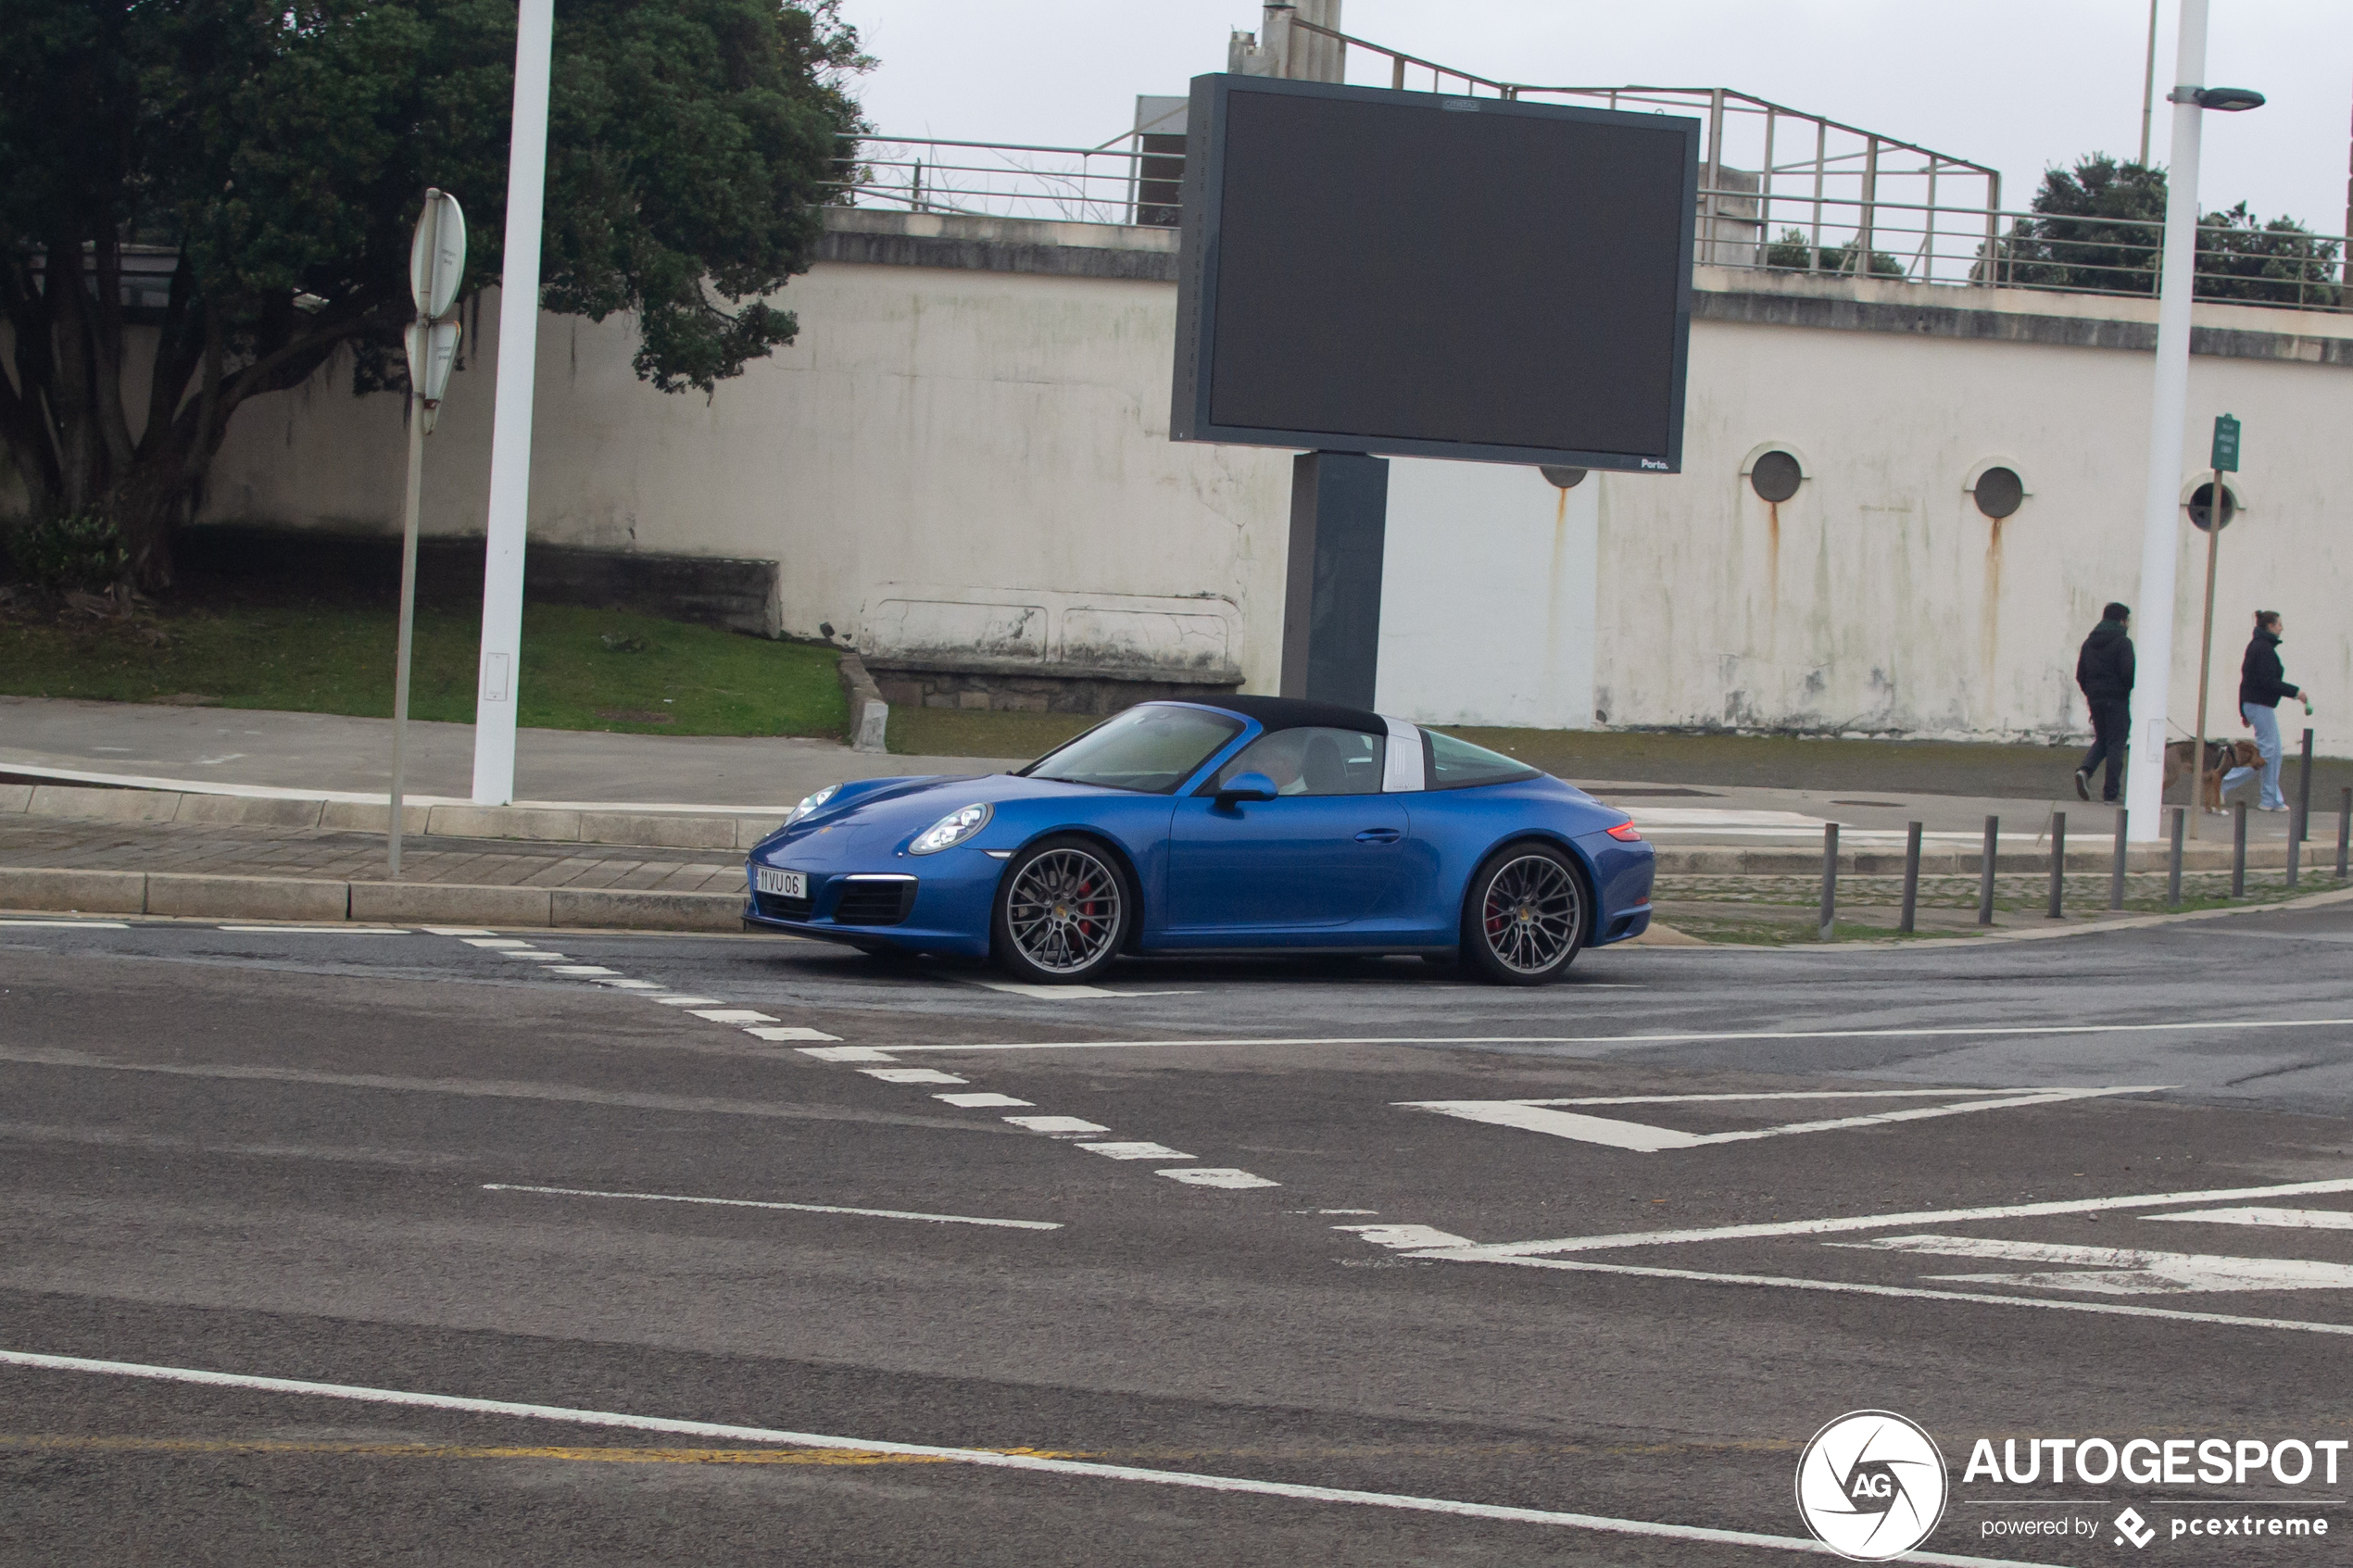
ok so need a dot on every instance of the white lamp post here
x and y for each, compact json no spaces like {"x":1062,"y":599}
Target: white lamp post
{"x":501,"y":668}
{"x":2153,"y":614}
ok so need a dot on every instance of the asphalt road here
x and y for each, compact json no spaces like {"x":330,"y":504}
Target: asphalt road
{"x":413,"y":1164}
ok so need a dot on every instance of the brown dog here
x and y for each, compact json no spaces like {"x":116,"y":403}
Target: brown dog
{"x":2220,"y":755}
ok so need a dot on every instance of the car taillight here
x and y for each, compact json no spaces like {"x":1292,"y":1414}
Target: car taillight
{"x":1625,"y":833}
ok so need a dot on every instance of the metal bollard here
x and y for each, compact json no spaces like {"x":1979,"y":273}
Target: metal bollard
{"x":1830,"y":879}
{"x":2115,"y":870}
{"x":2294,"y":843}
{"x":2173,"y":869}
{"x":1912,"y":875}
{"x":2058,"y":865}
{"x":2303,"y":818}
{"x":1985,"y":872}
{"x":2343,"y":831}
{"x":2238,"y":849}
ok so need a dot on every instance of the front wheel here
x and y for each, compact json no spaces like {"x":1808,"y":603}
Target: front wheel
{"x":1063,"y":911}
{"x":1524,"y":917}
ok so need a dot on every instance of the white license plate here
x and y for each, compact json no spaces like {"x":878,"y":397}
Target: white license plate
{"x":783,"y":885}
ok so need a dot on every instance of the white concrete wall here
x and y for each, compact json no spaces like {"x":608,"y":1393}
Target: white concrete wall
{"x":1007,"y":432}
{"x":1488,"y":591}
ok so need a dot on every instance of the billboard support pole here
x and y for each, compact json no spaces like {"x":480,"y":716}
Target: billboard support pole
{"x":1331,"y":592}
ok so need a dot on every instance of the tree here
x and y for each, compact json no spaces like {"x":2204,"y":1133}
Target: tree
{"x":2100,"y":226}
{"x":1795,"y":252}
{"x":274,"y":153}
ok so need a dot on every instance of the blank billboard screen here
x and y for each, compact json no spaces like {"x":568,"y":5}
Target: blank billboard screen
{"x":1406,"y":272}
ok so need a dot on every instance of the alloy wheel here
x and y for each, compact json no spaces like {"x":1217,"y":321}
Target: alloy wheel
{"x":1532,"y":914}
{"x":1063,"y":911}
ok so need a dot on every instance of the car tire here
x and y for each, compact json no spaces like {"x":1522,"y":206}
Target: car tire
{"x":1065,"y":910}
{"x":1525,"y":915}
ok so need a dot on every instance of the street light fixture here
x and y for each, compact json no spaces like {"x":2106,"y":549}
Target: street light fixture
{"x":2168,"y":405}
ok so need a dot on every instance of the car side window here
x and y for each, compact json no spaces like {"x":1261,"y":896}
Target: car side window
{"x":1313,"y":761}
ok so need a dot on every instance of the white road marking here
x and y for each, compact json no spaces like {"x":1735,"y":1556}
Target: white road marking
{"x":582,"y":969}
{"x":622,"y":982}
{"x":2117,"y":1271}
{"x":797,"y":1208}
{"x":912,"y":1075}
{"x":1892,"y":1222}
{"x":1244,"y":1486}
{"x":1913,"y":1292}
{"x":1057,"y":1124}
{"x":1133,"y":1150}
{"x":847,"y":1053}
{"x":539,"y":955}
{"x":1216,"y":1176}
{"x":70,"y":925}
{"x":457,"y":931}
{"x":318,"y":930}
{"x":487,"y":940}
{"x":1539,"y":1116}
{"x":981,"y":1101}
{"x":732,"y":1015}
{"x":1065,"y":993}
{"x":2288,"y":1218}
{"x":1923,"y":1033}
{"x":787,"y":1032}
{"x":678,"y":1001}
{"x":1407,"y":1236}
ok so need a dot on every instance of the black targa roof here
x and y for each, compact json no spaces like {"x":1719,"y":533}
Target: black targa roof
{"x":1294,"y":713}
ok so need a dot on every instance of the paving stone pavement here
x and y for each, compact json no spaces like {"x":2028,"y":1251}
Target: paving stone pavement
{"x":83,"y":845}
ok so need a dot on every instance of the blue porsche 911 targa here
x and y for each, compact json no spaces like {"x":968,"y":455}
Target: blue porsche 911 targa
{"x":1231,"y":824}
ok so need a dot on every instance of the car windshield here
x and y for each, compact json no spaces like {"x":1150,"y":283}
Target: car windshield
{"x":1457,"y":764}
{"x":1150,"y":750}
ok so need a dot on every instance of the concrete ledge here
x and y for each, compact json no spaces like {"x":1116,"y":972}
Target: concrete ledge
{"x":449,"y":904}
{"x":657,"y":912}
{"x":248,"y":898}
{"x":15,"y":797}
{"x":869,"y":714}
{"x":656,"y":831}
{"x":106,"y":805}
{"x":356,"y":817}
{"x":243,"y":810}
{"x":505,"y":822}
{"x":93,"y":893}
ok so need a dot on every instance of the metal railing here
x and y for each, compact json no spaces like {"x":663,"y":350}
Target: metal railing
{"x":1780,"y":191}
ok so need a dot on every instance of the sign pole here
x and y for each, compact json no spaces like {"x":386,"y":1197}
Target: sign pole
{"x":408,"y":613}
{"x":501,"y":662}
{"x":436,"y":267}
{"x":2223,"y":460}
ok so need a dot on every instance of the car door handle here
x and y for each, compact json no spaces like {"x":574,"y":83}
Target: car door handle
{"x":1379,"y":835}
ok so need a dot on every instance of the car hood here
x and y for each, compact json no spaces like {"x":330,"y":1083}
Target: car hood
{"x":884,"y":809}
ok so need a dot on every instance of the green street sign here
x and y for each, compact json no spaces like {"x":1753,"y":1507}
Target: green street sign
{"x":2226,"y":445}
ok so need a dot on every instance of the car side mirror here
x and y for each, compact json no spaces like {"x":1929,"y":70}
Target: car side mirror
{"x":1246,"y":786}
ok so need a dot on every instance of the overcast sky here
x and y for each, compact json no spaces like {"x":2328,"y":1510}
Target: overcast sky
{"x":2018,"y":84}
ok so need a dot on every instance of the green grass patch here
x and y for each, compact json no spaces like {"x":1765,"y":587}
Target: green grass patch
{"x":959,"y":732}
{"x":582,"y":669}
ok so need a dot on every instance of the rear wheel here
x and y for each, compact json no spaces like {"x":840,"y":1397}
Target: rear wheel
{"x":1524,"y":916}
{"x":1063,"y":911}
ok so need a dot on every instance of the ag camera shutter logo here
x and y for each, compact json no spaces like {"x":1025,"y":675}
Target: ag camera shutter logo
{"x":1871,"y":1486}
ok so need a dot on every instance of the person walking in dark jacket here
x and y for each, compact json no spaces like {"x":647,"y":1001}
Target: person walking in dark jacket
{"x":2105,"y":671}
{"x":2262,"y":682}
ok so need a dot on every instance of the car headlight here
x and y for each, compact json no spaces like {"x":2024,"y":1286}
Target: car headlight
{"x":949,"y":831}
{"x":809,"y":803}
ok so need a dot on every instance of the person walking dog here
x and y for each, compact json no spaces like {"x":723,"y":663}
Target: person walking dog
{"x":2105,"y":671}
{"x":2262,"y":682}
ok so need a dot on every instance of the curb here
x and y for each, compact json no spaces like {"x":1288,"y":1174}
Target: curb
{"x":315,"y":900}
{"x":658,"y":830}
